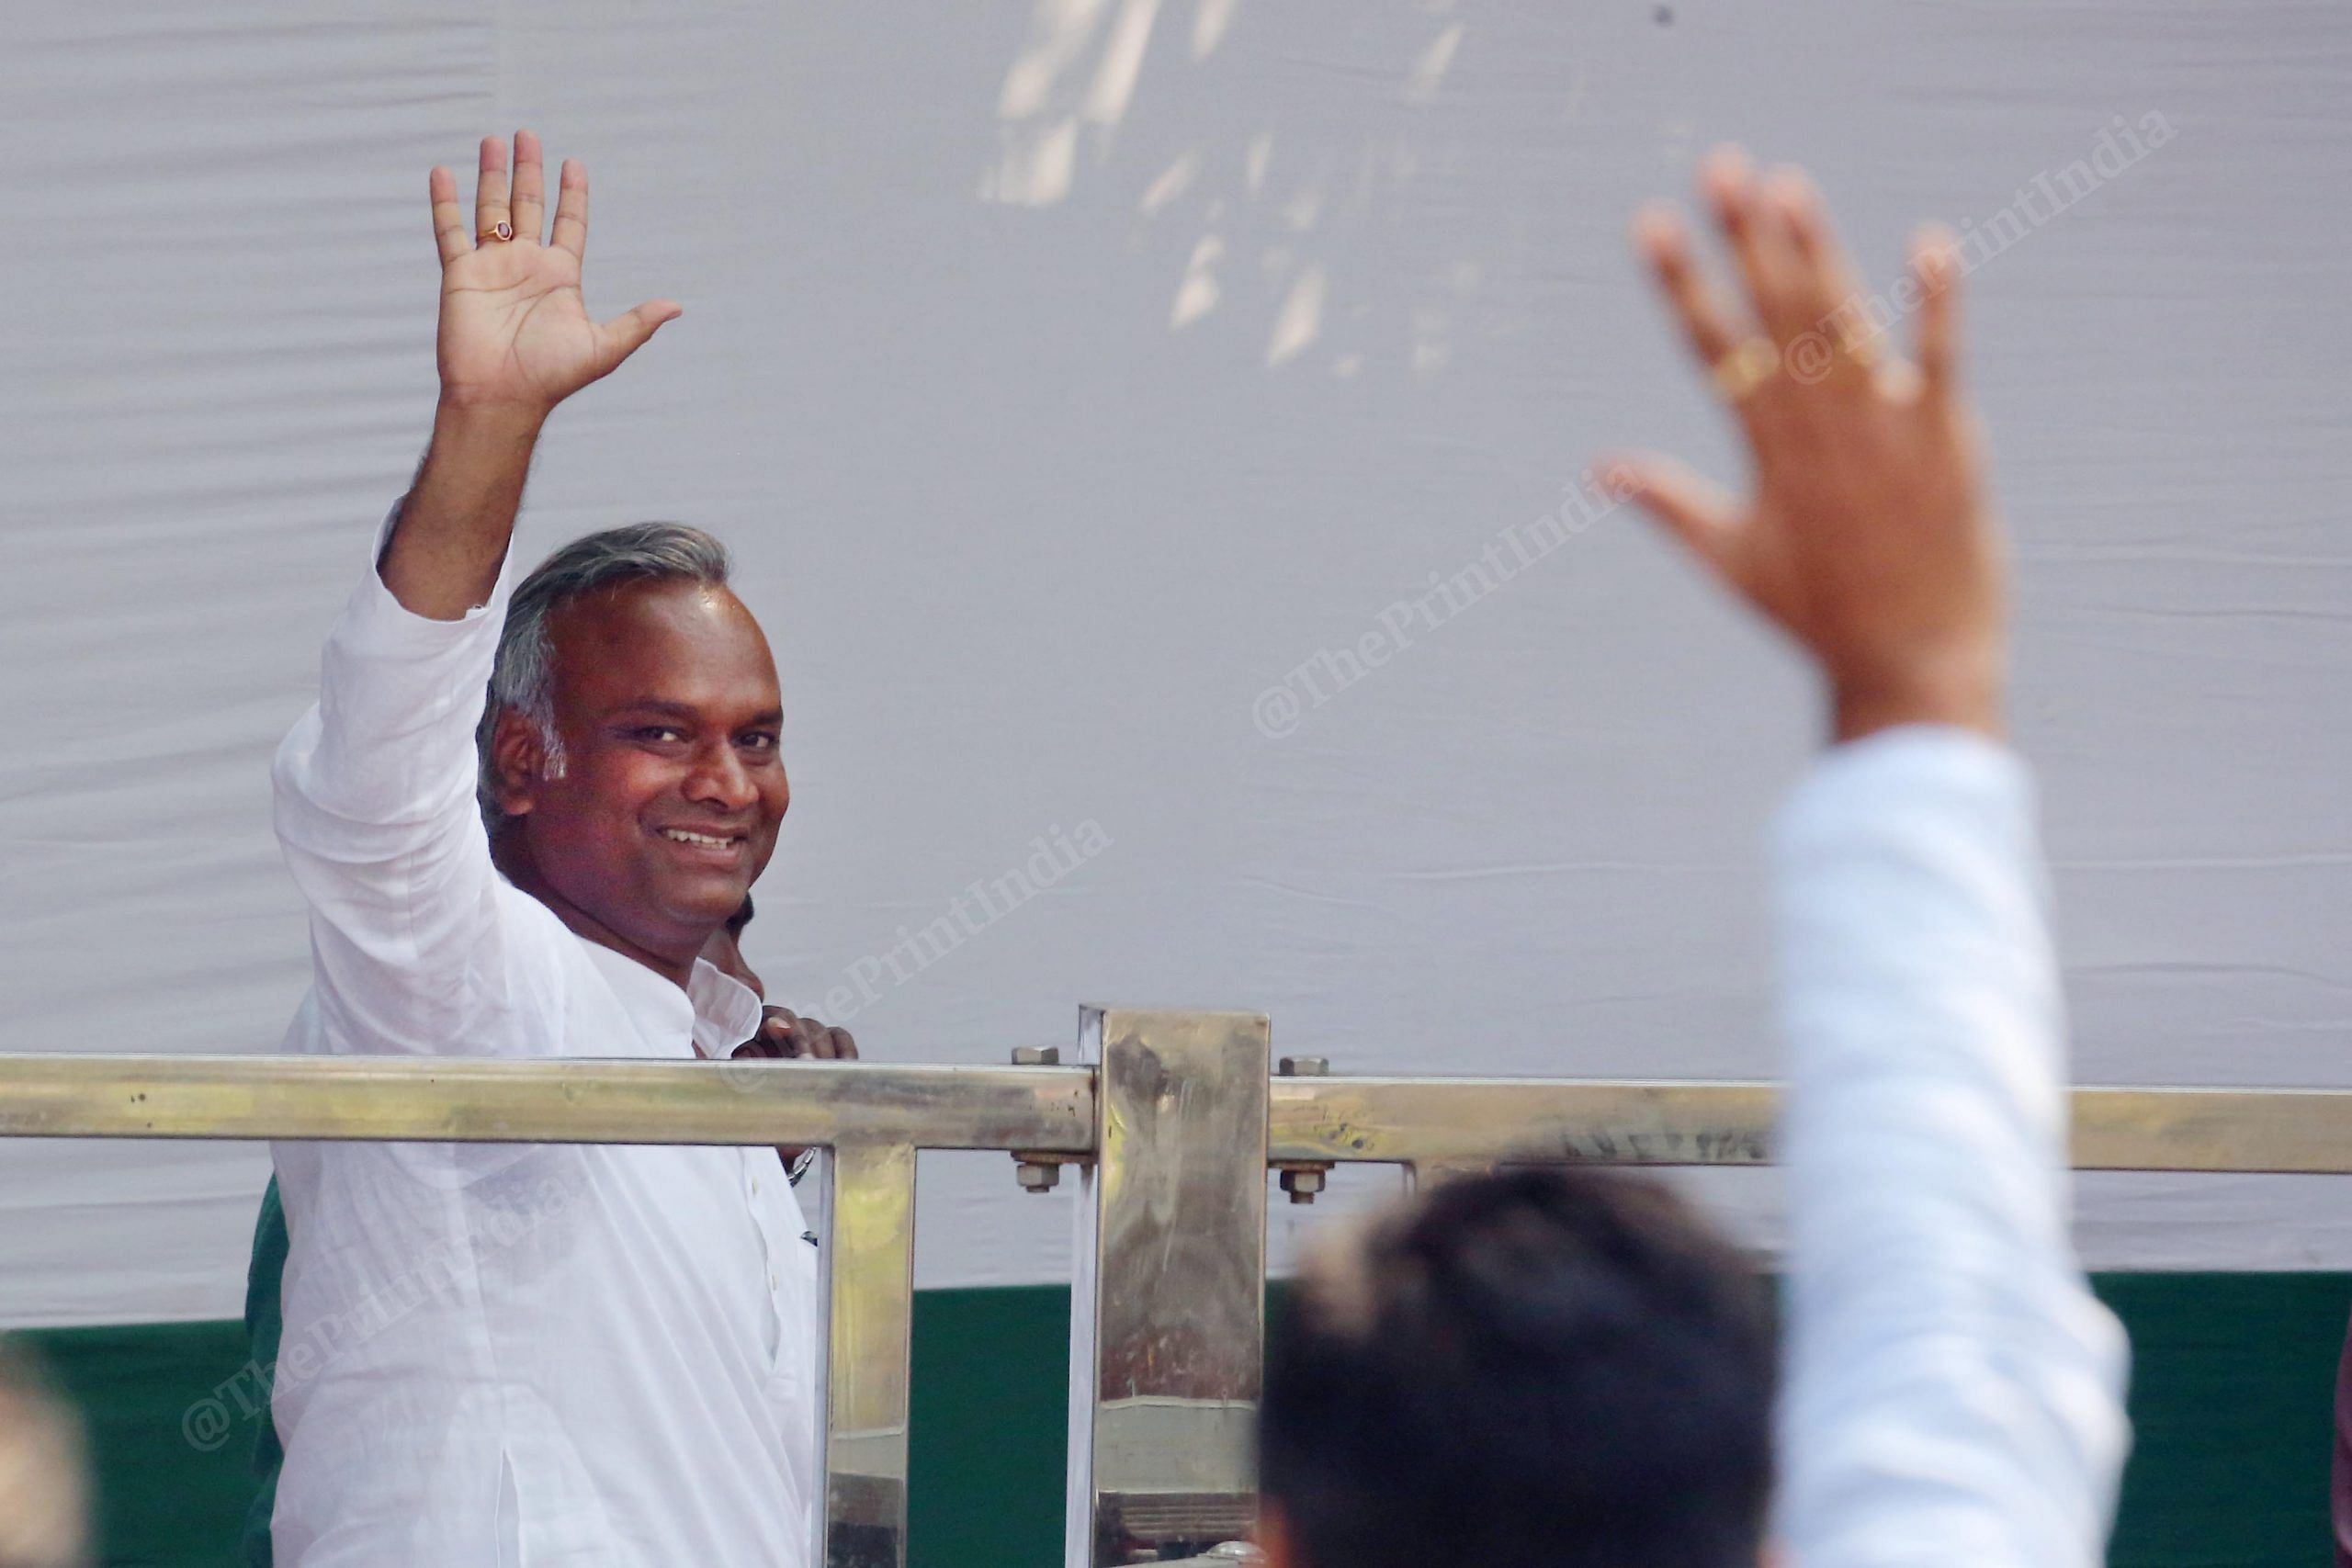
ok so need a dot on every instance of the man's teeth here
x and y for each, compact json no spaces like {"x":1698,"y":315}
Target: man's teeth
{"x":681,"y":835}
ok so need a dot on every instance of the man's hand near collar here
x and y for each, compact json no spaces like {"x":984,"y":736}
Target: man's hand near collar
{"x":782,"y":1034}
{"x":786,"y":1035}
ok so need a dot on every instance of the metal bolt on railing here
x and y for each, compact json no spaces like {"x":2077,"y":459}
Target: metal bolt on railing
{"x":1036,"y":1172}
{"x":1302,"y":1178}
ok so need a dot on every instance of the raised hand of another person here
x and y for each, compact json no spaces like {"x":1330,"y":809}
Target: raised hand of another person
{"x":1868,"y":537}
{"x":514,"y":330}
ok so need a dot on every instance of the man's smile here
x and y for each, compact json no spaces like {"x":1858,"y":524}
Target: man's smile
{"x":704,"y":844}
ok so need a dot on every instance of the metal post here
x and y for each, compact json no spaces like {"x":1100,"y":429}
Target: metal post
{"x":870,"y":1282}
{"x":1168,"y":1311}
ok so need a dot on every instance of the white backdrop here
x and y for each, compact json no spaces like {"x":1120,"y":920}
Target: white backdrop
{"x":1064,"y":380}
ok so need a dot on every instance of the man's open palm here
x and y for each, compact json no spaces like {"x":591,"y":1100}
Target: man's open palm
{"x":514,"y":330}
{"x":1869,"y":537}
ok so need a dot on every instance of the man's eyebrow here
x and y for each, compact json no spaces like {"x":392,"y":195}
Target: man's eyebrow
{"x":668,"y":708}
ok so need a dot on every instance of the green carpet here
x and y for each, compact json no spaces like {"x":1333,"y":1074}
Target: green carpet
{"x":2234,"y":1378}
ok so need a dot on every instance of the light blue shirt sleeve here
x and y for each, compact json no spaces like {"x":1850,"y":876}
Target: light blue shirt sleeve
{"x":1953,"y":1392}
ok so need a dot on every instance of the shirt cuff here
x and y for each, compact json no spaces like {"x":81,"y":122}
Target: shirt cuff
{"x":1865,"y":787}
{"x":378,"y":622}
{"x":1913,"y":907}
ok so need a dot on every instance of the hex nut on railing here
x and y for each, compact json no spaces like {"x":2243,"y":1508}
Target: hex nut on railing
{"x":1302,"y":1180}
{"x":1303,"y":1185}
{"x":1036,"y":1173}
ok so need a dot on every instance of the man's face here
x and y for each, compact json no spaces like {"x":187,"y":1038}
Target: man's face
{"x":666,"y":805}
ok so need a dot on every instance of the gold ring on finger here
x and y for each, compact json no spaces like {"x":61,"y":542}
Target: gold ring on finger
{"x":502,"y":230}
{"x":1745,"y":368}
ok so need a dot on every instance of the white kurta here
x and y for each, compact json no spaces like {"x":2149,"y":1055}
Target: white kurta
{"x":497,"y":1354}
{"x":1954,"y":1393}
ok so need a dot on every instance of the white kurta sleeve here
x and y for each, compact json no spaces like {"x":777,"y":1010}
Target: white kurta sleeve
{"x":1954,"y":1391}
{"x":375,"y":810}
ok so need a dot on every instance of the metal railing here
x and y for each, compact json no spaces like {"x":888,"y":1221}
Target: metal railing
{"x":1173,"y":1118}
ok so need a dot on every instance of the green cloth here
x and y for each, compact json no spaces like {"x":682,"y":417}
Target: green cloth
{"x":2231,"y":1398}
{"x":264,"y":1324}
{"x":2233,"y":1395}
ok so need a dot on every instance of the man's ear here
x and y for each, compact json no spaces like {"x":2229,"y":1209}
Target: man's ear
{"x":517,"y":763}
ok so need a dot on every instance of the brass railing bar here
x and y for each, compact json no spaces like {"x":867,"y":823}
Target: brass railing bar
{"x":1469,"y":1121}
{"x":1442,"y":1121}
{"x":1404,"y":1121}
{"x":452,"y":1101}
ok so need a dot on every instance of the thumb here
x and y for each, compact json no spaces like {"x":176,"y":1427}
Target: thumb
{"x":1698,"y":511}
{"x":627,"y":332}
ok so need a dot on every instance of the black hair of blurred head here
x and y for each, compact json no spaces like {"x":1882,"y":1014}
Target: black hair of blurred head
{"x":741,"y":918}
{"x":1544,"y":1366}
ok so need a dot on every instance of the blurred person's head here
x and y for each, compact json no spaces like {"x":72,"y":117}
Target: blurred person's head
{"x":630,"y":769}
{"x":44,"y":1498}
{"x":1563,"y":1368}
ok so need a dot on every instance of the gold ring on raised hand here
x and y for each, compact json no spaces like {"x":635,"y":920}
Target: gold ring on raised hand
{"x":1745,"y":368}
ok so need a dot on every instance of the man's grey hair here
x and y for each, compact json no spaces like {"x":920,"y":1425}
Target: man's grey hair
{"x":522,"y":677}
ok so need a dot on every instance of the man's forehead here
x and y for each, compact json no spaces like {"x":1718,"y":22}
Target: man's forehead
{"x":681,"y":644}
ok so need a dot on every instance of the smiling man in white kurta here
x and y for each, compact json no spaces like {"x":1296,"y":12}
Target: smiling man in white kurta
{"x":499,"y":1354}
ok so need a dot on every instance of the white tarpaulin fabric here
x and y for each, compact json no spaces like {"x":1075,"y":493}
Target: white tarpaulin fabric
{"x":1134,"y":421}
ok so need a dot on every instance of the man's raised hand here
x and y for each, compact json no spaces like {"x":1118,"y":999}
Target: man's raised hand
{"x":1869,"y":538}
{"x":515,"y":341}
{"x":515,"y":333}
